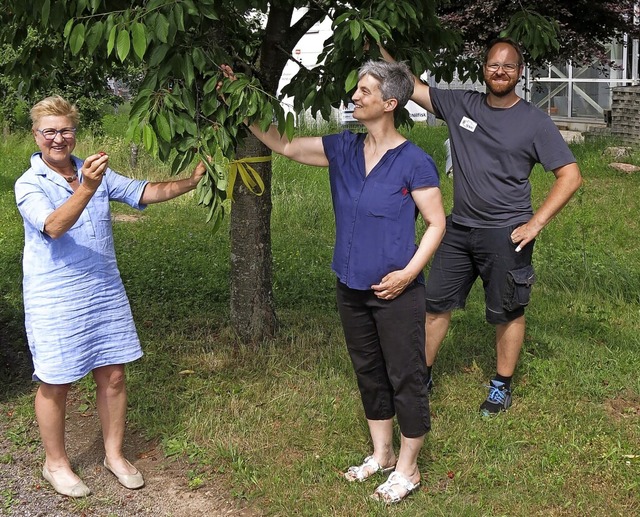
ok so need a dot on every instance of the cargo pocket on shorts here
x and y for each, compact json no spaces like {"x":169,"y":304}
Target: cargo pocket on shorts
{"x":518,"y":289}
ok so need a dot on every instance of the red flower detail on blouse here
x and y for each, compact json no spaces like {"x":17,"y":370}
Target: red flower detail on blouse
{"x":405,"y":191}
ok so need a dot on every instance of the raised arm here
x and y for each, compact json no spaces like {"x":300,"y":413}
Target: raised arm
{"x":307,"y":149}
{"x":421,"y":91}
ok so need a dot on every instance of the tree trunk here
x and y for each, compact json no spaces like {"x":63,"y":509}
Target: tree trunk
{"x":253,"y":314}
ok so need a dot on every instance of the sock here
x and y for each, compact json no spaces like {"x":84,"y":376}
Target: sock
{"x":505,"y":380}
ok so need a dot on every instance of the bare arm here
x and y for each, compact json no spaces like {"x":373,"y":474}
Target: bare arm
{"x":429,"y":202}
{"x":158,"y":192}
{"x":308,"y":149}
{"x":568,"y":181}
{"x":421,"y":91}
{"x":67,"y":214}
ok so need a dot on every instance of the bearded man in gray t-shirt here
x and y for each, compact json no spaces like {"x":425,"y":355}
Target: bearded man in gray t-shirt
{"x":496,"y":139}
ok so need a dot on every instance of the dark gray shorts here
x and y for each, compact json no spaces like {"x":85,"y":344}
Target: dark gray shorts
{"x":468,"y":253}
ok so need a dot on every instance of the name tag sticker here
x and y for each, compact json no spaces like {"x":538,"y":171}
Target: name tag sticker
{"x":468,"y":124}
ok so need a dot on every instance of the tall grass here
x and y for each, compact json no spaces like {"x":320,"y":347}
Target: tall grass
{"x":279,"y":422}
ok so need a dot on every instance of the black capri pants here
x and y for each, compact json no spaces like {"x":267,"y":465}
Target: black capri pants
{"x":385,"y":340}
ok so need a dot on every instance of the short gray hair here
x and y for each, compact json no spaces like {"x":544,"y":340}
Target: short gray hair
{"x":396,"y":80}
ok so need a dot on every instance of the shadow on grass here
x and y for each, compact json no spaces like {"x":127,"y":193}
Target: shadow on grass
{"x":15,"y":358}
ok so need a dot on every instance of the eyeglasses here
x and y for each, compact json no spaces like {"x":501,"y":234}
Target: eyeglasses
{"x":507,"y":67}
{"x":50,"y":133}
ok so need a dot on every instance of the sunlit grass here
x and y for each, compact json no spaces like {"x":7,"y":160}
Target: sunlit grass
{"x":279,"y":422}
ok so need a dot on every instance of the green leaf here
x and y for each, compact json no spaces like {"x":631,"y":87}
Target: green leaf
{"x":76,"y":39}
{"x":95,"y":36}
{"x":182,"y":161}
{"x":67,"y":28}
{"x":163,"y":127}
{"x":189,"y":101}
{"x":188,"y":72}
{"x":208,"y":11}
{"x":112,"y":39}
{"x":149,"y":139}
{"x":139,"y":35}
{"x":158,"y":54}
{"x":178,"y":16}
{"x":355,"y":28}
{"x":290,"y":126}
{"x":340,"y":19}
{"x":199,"y":59}
{"x":371,"y":31}
{"x":211,"y":84}
{"x":162,"y":28}
{"x":46,"y":9}
{"x":351,"y":81}
{"x":123,"y":44}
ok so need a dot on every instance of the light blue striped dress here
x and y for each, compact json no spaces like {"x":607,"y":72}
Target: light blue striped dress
{"x":77,"y":314}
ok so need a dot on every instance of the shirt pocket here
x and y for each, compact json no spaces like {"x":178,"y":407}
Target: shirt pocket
{"x":100,"y":214}
{"x":386,"y":201}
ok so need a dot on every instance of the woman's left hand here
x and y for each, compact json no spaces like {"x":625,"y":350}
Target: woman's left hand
{"x":392,"y":285}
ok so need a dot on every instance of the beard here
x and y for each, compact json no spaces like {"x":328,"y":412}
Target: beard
{"x":501,"y":89}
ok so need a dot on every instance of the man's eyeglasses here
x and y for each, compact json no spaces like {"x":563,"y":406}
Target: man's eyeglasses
{"x":50,"y":133}
{"x":507,"y":67}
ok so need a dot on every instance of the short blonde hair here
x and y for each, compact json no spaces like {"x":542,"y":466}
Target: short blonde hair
{"x":54,"y":106}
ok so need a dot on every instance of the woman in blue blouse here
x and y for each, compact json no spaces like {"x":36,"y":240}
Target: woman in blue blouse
{"x":379,"y":181}
{"x":77,"y":314}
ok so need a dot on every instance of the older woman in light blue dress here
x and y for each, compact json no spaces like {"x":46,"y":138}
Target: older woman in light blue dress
{"x":77,"y":314}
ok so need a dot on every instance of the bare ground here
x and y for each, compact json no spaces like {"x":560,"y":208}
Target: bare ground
{"x":23,"y":492}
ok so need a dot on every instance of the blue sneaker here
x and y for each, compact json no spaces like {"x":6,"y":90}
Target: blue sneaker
{"x":499,"y":399}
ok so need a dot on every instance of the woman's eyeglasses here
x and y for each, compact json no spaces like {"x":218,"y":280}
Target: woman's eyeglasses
{"x":50,"y":133}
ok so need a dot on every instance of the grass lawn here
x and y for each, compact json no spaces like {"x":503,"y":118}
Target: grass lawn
{"x":278,"y":423}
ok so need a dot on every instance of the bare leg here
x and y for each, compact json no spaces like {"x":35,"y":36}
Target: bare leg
{"x":111,"y":399}
{"x":408,"y":458}
{"x":509,"y":339}
{"x":436,"y":329}
{"x":50,"y":407}
{"x":396,"y":488}
{"x":382,"y":438}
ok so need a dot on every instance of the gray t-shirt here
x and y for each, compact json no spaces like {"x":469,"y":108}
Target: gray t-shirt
{"x":494,"y":151}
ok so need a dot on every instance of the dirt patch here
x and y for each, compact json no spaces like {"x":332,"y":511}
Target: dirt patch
{"x":125,"y":218}
{"x":625,"y":405}
{"x":166,"y":493}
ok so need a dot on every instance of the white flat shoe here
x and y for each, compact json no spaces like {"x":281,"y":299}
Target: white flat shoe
{"x":388,"y":491}
{"x":77,"y":490}
{"x":368,"y":468}
{"x":130,"y":481}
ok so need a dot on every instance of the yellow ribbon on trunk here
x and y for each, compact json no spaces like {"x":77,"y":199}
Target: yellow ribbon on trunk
{"x":248,"y":174}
